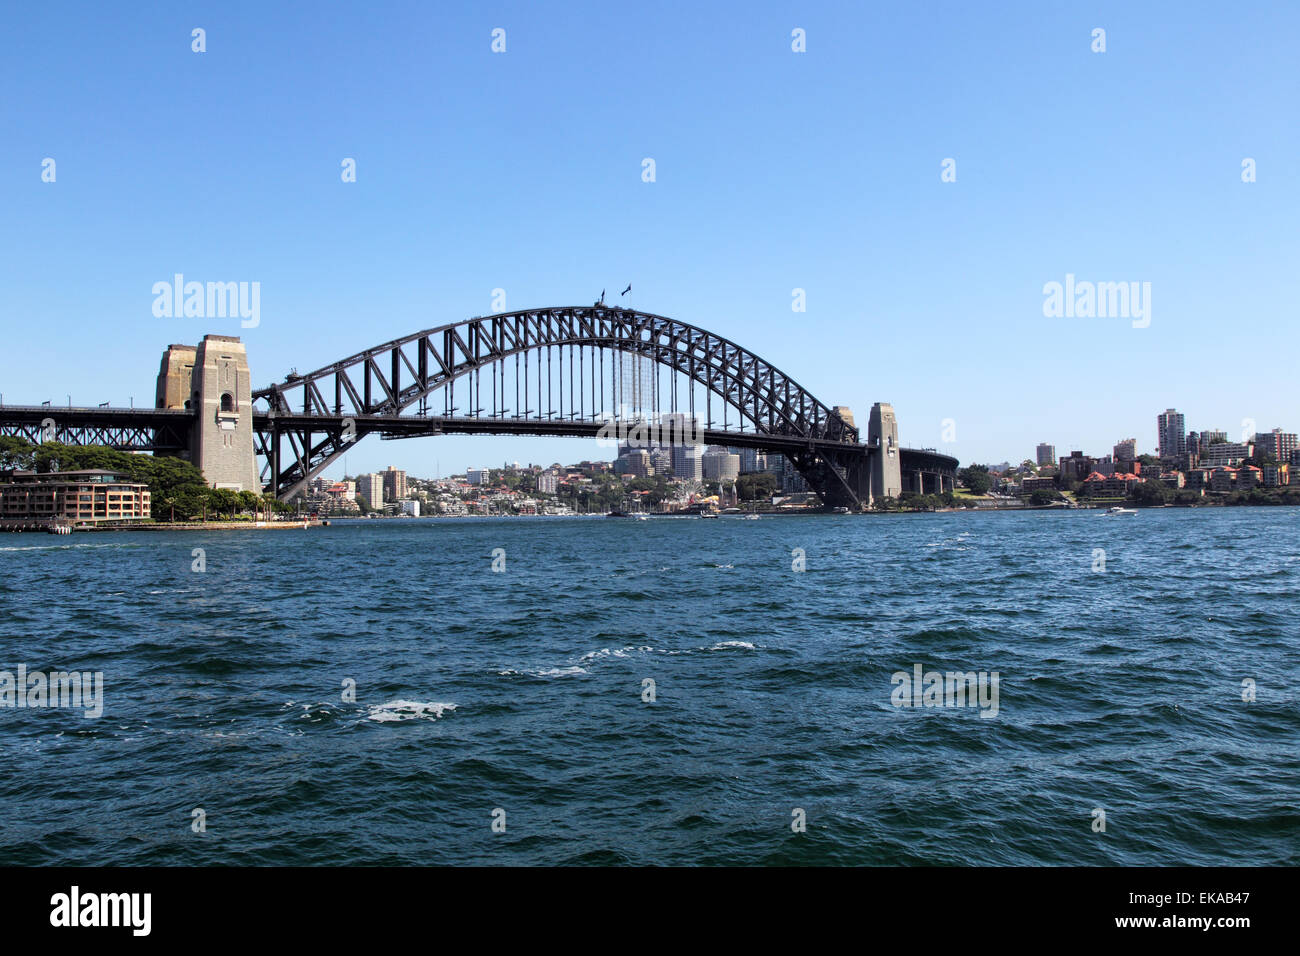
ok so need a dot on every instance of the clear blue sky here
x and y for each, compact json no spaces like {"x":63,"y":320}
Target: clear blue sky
{"x":775,"y":170}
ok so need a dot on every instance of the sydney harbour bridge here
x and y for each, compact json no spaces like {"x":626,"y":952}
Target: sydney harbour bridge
{"x":561,"y":371}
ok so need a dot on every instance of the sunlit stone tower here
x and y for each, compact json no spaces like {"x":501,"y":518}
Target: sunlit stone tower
{"x":886,"y":467}
{"x":214,"y":381}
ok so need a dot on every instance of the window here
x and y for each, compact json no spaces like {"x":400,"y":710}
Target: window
{"x":227,"y":402}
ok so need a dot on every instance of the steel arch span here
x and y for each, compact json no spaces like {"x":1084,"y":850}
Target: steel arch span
{"x":387,"y":389}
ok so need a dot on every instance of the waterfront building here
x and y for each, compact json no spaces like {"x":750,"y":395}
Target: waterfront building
{"x":547,"y":482}
{"x":1046,"y":454}
{"x":1211,"y":437}
{"x":91,"y":496}
{"x":395,"y":484}
{"x":634,"y":462}
{"x":1076,"y":467}
{"x":1223,"y":478}
{"x":410,"y":507}
{"x":1101,"y":485}
{"x":478,"y":476}
{"x":371,"y":487}
{"x":752,"y":459}
{"x":1125,"y":450}
{"x":792,"y":483}
{"x":1171,"y":434}
{"x":721,"y":466}
{"x":1277,"y":444}
{"x":1226,"y":453}
{"x":687,"y":463}
{"x":1275,"y":476}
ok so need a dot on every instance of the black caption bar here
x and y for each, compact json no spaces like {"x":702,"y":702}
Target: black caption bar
{"x":333,"y":905}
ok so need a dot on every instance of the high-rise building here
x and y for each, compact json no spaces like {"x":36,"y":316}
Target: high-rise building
{"x":1226,"y":453}
{"x":634,"y":462}
{"x":791,"y":481}
{"x":1075,"y":468}
{"x":1171,"y":434}
{"x":394,"y":484}
{"x":371,"y":487}
{"x":1046,"y":454}
{"x":751,"y":459}
{"x":1125,"y":450}
{"x":720,"y":466}
{"x":478,"y":476}
{"x":1277,"y":444}
{"x":687,"y":462}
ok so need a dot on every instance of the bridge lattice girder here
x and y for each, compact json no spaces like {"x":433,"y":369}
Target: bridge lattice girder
{"x":390,"y":378}
{"x":395,"y":375}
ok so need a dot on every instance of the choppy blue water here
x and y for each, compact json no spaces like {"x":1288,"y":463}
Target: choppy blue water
{"x":522,"y":691}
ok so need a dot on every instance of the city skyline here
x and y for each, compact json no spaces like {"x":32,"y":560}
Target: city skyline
{"x":886,"y":258}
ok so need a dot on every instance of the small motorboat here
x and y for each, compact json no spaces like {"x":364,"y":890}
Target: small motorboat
{"x":1116,"y":511}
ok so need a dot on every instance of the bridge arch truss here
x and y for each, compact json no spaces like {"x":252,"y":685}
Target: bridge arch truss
{"x":390,"y":389}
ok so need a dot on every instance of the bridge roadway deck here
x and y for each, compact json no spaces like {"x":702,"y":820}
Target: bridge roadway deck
{"x":21,"y":419}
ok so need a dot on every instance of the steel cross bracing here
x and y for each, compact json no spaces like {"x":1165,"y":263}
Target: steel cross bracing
{"x":138,"y":429}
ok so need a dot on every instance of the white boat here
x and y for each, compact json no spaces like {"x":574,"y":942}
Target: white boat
{"x":1116,"y":511}
{"x":749,"y":518}
{"x":641,"y":517}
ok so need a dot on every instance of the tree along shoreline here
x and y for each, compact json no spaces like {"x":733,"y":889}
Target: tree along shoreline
{"x":178,"y":493}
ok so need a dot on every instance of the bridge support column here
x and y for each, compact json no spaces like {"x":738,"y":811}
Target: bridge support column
{"x":213,"y":380}
{"x":886,"y":467}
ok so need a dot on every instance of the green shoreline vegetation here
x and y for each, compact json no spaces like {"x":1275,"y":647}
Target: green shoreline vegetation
{"x":177,"y":490}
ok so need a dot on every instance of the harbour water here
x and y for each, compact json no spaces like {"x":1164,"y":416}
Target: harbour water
{"x":1123,"y":647}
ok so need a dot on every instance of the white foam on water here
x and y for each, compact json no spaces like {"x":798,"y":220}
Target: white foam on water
{"x":545,"y":672}
{"x":396,"y":710}
{"x":724,"y":644}
{"x":622,"y":652}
